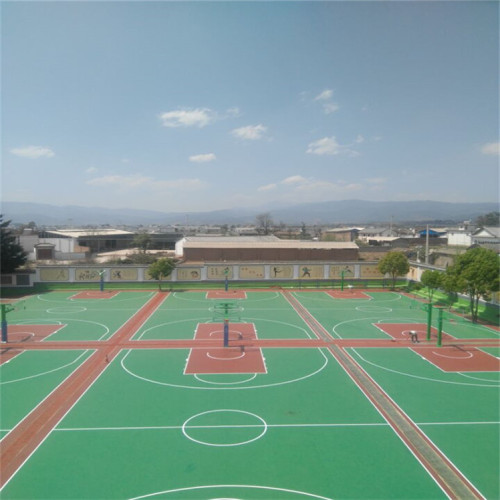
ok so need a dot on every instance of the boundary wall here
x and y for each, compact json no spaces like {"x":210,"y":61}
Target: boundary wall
{"x":212,"y":272}
{"x":209,"y":272}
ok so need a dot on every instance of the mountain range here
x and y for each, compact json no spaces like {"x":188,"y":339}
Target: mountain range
{"x":321,"y":213}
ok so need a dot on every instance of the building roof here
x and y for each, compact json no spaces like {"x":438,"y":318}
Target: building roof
{"x":238,"y":243}
{"x":78,"y":233}
{"x":341,"y":230}
{"x":230,"y":239}
{"x":492,"y":231}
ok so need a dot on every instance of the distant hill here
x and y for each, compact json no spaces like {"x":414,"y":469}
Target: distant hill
{"x":329,"y":212}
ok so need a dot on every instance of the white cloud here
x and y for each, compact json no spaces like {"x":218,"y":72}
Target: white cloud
{"x":376,"y":180}
{"x":130,"y":182}
{"x":250,"y":132}
{"x":233,"y":112}
{"x":325,"y":146}
{"x":33,"y":152}
{"x":202,"y":158}
{"x":200,"y":117}
{"x":326,"y":95}
{"x":330,"y":146}
{"x":294,"y":179}
{"x":325,"y":98}
{"x":91,"y":170}
{"x":330,"y":107}
{"x":267,"y":187}
{"x":306,"y":189}
{"x":121,"y":181}
{"x":491,"y":148}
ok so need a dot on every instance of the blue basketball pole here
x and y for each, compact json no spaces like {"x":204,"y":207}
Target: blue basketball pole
{"x":4,"y":331}
{"x":4,"y":323}
{"x":226,"y":333}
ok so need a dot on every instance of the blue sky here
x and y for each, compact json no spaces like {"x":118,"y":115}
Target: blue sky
{"x":187,"y":106}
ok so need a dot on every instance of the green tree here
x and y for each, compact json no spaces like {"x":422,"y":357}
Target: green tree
{"x":432,"y":280}
{"x":12,"y":254}
{"x":475,"y":273}
{"x":395,"y":264}
{"x":142,"y":241}
{"x":489,"y":219}
{"x":161,"y":269}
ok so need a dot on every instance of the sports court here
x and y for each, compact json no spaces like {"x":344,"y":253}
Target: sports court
{"x":318,"y":395}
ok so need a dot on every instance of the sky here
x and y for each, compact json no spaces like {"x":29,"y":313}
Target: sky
{"x":198,"y":106}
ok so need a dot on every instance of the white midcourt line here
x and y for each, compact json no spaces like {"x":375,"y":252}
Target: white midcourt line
{"x":228,"y":426}
{"x":179,"y":427}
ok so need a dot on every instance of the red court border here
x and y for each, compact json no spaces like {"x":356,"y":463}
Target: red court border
{"x":450,"y":358}
{"x":236,"y":358}
{"x":349,"y":294}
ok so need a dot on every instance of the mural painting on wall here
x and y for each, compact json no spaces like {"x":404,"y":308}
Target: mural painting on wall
{"x":370,"y":271}
{"x":87,"y":274}
{"x":188,"y":274}
{"x":336,"y":272}
{"x":119,"y":274}
{"x":251,"y":272}
{"x":219,"y":272}
{"x":54,"y":274}
{"x":310,"y":272}
{"x":283,"y":272}
{"x":148,"y":277}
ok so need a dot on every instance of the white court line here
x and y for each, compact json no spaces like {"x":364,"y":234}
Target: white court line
{"x":232,"y":486}
{"x":276,"y":384}
{"x":422,"y":378}
{"x":228,"y":426}
{"x":47,"y":372}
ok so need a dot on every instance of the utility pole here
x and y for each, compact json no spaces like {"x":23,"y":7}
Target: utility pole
{"x":427,"y":245}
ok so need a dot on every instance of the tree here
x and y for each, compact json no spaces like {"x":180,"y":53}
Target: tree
{"x":13,"y":255}
{"x":475,"y":273}
{"x":432,"y":280}
{"x":489,"y":219}
{"x":161,"y":269}
{"x":395,"y":264}
{"x":143,"y":241}
{"x":264,"y":223}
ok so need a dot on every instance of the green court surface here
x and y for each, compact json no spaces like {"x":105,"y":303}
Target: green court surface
{"x":303,"y":429}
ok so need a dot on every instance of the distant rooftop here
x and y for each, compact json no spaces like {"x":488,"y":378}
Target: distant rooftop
{"x":231,"y":239}
{"x":77,"y":233}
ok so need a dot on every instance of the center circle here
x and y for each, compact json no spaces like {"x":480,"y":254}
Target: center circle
{"x":224,"y":428}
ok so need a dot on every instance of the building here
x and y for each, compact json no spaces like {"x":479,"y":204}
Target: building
{"x":368,"y":233}
{"x":78,"y":244}
{"x":487,"y":237}
{"x":340,"y":234}
{"x":263,"y":249}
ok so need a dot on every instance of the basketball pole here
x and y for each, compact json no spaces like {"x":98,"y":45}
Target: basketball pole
{"x":440,"y":327}
{"x":4,"y":311}
{"x":226,"y":333}
{"x":4,"y":323}
{"x":429,"y":320}
{"x":101,"y":283}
